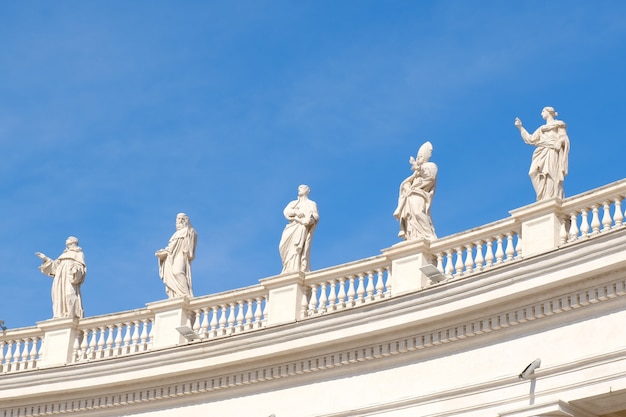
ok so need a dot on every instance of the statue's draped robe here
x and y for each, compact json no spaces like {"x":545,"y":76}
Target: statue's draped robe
{"x":295,"y":243}
{"x":414,"y":201}
{"x":68,"y":272}
{"x":175,"y":269}
{"x":549,"y":164}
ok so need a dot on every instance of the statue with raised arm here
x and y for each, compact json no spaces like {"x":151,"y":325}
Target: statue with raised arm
{"x":295,"y":243}
{"x":549,"y":164}
{"x":416,"y":196}
{"x":68,"y":273}
{"x":175,"y":259}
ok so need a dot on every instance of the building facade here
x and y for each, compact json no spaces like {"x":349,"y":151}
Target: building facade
{"x":517,"y":318}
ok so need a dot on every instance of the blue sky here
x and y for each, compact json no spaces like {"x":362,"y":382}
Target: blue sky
{"x":115,"y":116}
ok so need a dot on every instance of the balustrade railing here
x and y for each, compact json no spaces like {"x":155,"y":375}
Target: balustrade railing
{"x":20,"y":349}
{"x":323,"y":291}
{"x":346,"y":286}
{"x":113,"y":335}
{"x":478,"y":249}
{"x":229,"y":313}
{"x":594,"y":212}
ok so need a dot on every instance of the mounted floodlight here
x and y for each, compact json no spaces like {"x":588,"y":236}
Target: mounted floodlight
{"x":432,"y":273}
{"x":188,"y":333}
{"x":530,"y":369}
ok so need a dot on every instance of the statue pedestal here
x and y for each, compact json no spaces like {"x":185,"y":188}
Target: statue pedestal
{"x":406,"y":260}
{"x":286,"y":294}
{"x":59,"y":337}
{"x":168,"y":315}
{"x":541,"y":226}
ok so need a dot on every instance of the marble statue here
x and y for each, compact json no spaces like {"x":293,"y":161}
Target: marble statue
{"x":175,"y":259}
{"x":416,"y":195}
{"x":68,"y":272}
{"x":295,"y":243}
{"x":549,"y":164}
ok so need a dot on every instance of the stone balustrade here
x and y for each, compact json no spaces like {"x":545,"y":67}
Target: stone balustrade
{"x":228,"y":313}
{"x":594,"y":212}
{"x":347,"y":285}
{"x":113,"y":335}
{"x":406,"y":267}
{"x":479,"y":249}
{"x":20,"y":349}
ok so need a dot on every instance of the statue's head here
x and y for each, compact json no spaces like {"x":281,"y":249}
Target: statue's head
{"x":548,"y":111}
{"x":71,"y":241}
{"x":182,"y":220}
{"x":303,"y":190}
{"x":424,"y":153}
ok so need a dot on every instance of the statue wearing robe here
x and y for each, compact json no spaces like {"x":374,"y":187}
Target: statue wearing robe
{"x":415,"y":198}
{"x":68,"y":272}
{"x":295,"y":242}
{"x":175,"y":259}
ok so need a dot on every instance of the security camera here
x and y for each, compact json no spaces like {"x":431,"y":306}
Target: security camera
{"x":530,"y":369}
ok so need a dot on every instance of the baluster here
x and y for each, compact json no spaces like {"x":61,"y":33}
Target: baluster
{"x":76,"y":353}
{"x":249,"y":316}
{"x":214,"y":322}
{"x":101,"y":336}
{"x":351,"y":290}
{"x":341,"y":296}
{"x":440,"y":262}
{"x":332,"y":295}
{"x":510,"y":250}
{"x":618,"y":216}
{"x":607,"y":221}
{"x":2,"y":345}
{"x":258,"y":312}
{"x":323,"y":305}
{"x":469,"y":259}
{"x":449,"y":265}
{"x":128,"y":329}
{"x":222,"y":320}
{"x":313,"y":301}
{"x":32,"y":356}
{"x":204,"y":322}
{"x":150,"y":330}
{"x":489,"y":255}
{"x":23,"y":351}
{"x":380,"y":284}
{"x":480,"y":259}
{"x":196,"y":315}
{"x":518,"y":246}
{"x":458,"y":265}
{"x":267,"y":301}
{"x":370,"y":289}
{"x":118,"y":338}
{"x":240,"y":316}
{"x":499,"y":250}
{"x":109,"y":340}
{"x":231,"y":317}
{"x":360,"y":291}
{"x":584,"y":225}
{"x":9,"y":356}
{"x":84,"y":344}
{"x":92,"y":343}
{"x":563,"y":231}
{"x":573,"y":229}
{"x":143,"y":338}
{"x":134,"y":340}
{"x":595,"y":220}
